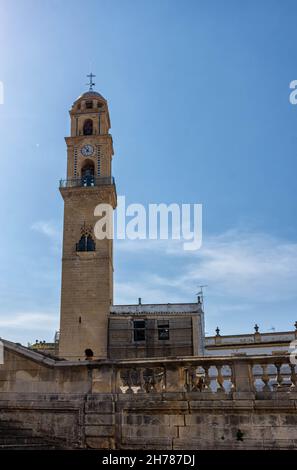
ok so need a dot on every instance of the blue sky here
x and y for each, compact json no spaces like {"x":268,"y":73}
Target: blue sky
{"x":198,"y":93}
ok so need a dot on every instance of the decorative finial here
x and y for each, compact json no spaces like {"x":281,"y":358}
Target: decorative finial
{"x":218,"y":331}
{"x":256,"y":328}
{"x":91,"y":83}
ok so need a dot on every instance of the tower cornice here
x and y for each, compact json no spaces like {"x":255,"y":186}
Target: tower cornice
{"x":107,"y":194}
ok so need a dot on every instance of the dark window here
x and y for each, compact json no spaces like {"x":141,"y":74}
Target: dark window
{"x":139,"y":330}
{"x":86,"y":243}
{"x":89,"y":354}
{"x":87,"y":174}
{"x":90,"y":243}
{"x":88,"y":127}
{"x":89,"y":104}
{"x":163,"y":331}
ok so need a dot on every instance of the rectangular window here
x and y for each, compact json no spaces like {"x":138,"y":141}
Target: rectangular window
{"x":163,"y":331}
{"x":139,"y":330}
{"x":89,"y":104}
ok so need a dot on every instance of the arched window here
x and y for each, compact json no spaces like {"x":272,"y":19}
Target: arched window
{"x":88,"y":174}
{"x":86,"y":243}
{"x":88,"y":127}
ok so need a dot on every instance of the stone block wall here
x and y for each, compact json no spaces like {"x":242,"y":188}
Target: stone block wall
{"x":152,"y":404}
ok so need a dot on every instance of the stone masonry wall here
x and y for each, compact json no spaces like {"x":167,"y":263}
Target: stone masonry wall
{"x":160,"y":422}
{"x":151,"y":404}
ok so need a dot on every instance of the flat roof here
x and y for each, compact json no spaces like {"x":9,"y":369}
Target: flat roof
{"x":178,"y":308}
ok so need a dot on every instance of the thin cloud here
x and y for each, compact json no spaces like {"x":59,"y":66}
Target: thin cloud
{"x":47,"y":228}
{"x":29,"y":321}
{"x":239,"y":267}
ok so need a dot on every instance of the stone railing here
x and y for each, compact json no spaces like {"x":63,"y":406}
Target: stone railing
{"x":196,"y":375}
{"x":87,"y":181}
{"x":210,"y":375}
{"x":273,"y":374}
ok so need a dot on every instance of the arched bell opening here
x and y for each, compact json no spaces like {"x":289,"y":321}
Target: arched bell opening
{"x":88,"y":173}
{"x":88,"y":127}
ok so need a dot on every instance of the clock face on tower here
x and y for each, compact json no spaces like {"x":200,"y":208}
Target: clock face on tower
{"x":87,"y":150}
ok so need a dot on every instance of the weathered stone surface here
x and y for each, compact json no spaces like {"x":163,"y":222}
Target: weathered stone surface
{"x":56,"y":399}
{"x":149,"y":431}
{"x":105,"y":431}
{"x":99,"y":419}
{"x":99,"y":443}
{"x":99,"y":406}
{"x":155,"y":443}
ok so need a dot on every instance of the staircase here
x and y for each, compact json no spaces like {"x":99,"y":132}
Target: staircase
{"x":15,"y":436}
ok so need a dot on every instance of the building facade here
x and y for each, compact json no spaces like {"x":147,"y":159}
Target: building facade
{"x":156,"y":330}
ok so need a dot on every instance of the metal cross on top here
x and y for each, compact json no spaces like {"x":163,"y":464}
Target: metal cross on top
{"x":91,"y":83}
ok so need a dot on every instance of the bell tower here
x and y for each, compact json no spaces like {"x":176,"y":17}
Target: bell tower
{"x":87,"y":263}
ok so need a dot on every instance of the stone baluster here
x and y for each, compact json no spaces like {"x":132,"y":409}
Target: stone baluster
{"x":188,"y":380}
{"x":153,"y":381}
{"x":129,"y":382}
{"x":293,"y":376}
{"x":159,"y":383}
{"x":198,"y":381}
{"x":232,"y":378}
{"x":220,"y":379}
{"x":147,"y":377}
{"x":135,"y":379}
{"x":141,"y":382}
{"x":265,"y":378}
{"x":279,"y":377}
{"x":125,"y":375}
{"x":207,"y":379}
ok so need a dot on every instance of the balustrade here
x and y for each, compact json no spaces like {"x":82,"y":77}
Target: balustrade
{"x":271,"y":374}
{"x":204,"y":375}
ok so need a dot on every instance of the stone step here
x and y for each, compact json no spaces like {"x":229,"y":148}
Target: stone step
{"x":9,"y":424}
{"x":15,"y":436}
{"x":26,"y":447}
{"x":21,"y":439}
{"x":15,"y":432}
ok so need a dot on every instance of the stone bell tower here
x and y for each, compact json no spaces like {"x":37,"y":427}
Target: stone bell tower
{"x":87,"y":263}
